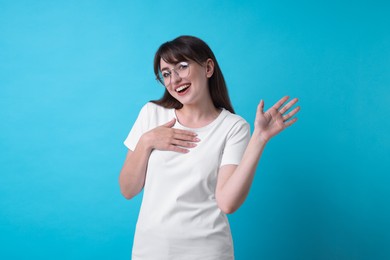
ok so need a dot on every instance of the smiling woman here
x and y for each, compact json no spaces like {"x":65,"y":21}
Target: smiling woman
{"x":193,"y":51}
{"x":194,"y":158}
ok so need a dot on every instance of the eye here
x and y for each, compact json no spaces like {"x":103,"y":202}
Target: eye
{"x":182,"y":65}
{"x":165,"y":74}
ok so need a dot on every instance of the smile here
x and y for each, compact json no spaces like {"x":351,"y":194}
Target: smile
{"x":183,"y":88}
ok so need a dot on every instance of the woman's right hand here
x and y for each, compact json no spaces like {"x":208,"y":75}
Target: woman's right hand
{"x":166,"y":138}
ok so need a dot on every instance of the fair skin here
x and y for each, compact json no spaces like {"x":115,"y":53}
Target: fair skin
{"x":234,"y":181}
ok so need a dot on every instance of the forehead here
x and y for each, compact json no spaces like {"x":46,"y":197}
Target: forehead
{"x":167,"y":65}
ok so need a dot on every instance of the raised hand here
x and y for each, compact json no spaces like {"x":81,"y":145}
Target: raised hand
{"x":275,"y":119}
{"x":166,"y":138}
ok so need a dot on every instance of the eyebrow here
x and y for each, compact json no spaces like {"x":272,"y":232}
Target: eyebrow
{"x":166,"y":68}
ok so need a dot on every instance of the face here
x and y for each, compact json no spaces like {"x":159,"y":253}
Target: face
{"x":187,"y":81}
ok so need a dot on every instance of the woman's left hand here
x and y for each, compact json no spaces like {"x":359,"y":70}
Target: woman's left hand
{"x":275,"y":119}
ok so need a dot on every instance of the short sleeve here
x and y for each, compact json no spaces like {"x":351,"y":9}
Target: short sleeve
{"x":236,"y":143}
{"x":139,"y":128}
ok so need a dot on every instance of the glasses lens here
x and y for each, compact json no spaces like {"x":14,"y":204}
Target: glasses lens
{"x":182,"y":70}
{"x":160,"y":77}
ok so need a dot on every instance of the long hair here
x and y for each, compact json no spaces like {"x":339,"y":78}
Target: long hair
{"x":186,"y":48}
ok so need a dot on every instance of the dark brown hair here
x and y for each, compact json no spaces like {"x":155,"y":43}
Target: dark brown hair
{"x":186,"y":48}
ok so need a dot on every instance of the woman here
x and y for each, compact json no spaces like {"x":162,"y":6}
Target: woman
{"x":194,"y":158}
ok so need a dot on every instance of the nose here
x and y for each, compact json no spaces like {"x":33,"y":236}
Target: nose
{"x":175,"y":77}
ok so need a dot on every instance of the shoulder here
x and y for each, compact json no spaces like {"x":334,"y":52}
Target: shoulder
{"x":235,"y":124}
{"x":152,"y":108}
{"x":234,"y":119}
{"x":155,"y":115}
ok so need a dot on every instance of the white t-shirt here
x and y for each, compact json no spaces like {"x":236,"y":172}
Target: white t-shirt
{"x":179,"y":216}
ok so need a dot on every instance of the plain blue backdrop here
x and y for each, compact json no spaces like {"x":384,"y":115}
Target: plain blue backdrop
{"x":74,"y":74}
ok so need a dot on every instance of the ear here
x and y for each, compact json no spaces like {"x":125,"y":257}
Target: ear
{"x":209,"y":68}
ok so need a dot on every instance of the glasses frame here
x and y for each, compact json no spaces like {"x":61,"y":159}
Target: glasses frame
{"x":176,"y":70}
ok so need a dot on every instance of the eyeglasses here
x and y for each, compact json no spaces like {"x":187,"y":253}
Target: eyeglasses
{"x":182,"y":70}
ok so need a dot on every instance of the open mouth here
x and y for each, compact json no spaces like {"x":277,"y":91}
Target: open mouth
{"x":182,"y":89}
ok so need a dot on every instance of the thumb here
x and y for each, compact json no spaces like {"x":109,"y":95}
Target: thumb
{"x":260,"y":108}
{"x":170,"y":123}
{"x":261,"y":105}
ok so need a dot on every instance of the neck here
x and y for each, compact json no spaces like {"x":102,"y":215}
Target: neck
{"x":196,"y":116}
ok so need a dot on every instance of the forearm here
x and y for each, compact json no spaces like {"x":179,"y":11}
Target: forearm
{"x":236,"y":188}
{"x":163,"y":138}
{"x":132,"y":175}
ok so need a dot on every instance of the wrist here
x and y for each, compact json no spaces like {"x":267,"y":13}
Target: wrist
{"x":260,"y":137}
{"x":145,"y":143}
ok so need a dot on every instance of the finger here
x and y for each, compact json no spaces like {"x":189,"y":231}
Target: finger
{"x":280,"y":103}
{"x":261,"y":106}
{"x":186,"y":137}
{"x":285,"y":108}
{"x":291,"y":114}
{"x":170,"y":123}
{"x":175,"y":148}
{"x":260,"y":109}
{"x":183,"y":143}
{"x":292,"y":121}
{"x":184,"y":132}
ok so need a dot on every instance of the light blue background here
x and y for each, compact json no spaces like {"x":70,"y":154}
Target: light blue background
{"x":74,"y":74}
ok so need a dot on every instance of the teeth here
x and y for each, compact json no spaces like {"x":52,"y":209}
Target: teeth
{"x":182,"y":88}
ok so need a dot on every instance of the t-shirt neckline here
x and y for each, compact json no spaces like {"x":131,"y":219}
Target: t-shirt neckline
{"x":219,"y":118}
